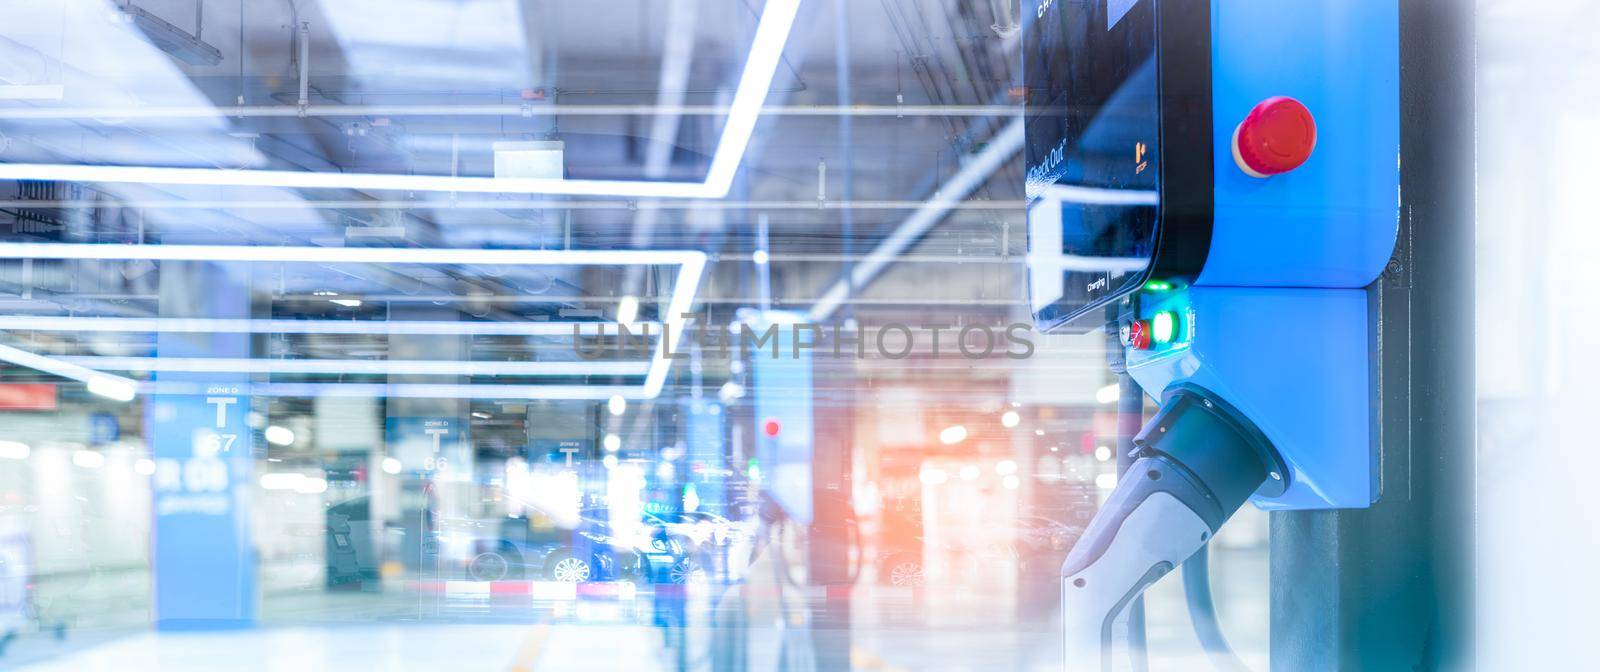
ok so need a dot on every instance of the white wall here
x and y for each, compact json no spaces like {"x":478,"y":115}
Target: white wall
{"x":1538,"y":329}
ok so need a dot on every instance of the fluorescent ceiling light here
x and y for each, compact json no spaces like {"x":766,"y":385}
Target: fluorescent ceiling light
{"x":1047,"y":262}
{"x":103,"y":384}
{"x":172,"y":39}
{"x":202,"y":325}
{"x":410,"y":390}
{"x":676,"y":324}
{"x":347,"y":255}
{"x":278,"y":436}
{"x":360,"y":366}
{"x":691,"y":267}
{"x":1072,"y":193}
{"x":628,"y":310}
{"x":113,"y":387}
{"x":150,"y":175}
{"x":766,"y":53}
{"x":139,"y":201}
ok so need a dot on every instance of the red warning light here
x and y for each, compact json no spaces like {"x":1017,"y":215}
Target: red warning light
{"x":771,"y":427}
{"x":1136,"y":334}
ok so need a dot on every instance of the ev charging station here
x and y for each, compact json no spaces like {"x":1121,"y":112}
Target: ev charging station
{"x":1218,"y":181}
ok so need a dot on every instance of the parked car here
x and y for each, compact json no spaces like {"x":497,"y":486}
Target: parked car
{"x":513,"y":547}
{"x":669,"y":549}
{"x":702,"y":529}
{"x":1034,"y":542}
{"x":509,"y":548}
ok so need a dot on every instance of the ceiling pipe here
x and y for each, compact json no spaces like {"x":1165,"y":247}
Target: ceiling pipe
{"x":972,"y":175}
{"x":136,"y":111}
{"x":679,"y":55}
{"x":305,"y":67}
{"x":507,"y":205}
{"x":664,"y":130}
{"x":24,"y":66}
{"x":842,"y":62}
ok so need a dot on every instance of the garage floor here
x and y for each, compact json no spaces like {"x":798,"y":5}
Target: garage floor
{"x":410,"y":626}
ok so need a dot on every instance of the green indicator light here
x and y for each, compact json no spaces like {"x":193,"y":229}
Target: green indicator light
{"x":1158,"y":286}
{"x":1163,"y":326}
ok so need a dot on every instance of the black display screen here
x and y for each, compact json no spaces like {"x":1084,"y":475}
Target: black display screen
{"x":1092,"y":152}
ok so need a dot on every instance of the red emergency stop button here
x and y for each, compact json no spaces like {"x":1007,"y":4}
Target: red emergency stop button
{"x":1275,"y":138}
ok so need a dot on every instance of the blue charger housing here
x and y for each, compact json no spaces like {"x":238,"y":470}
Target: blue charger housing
{"x":1262,"y":279}
{"x":1295,"y":362}
{"x":1331,"y":222}
{"x":1276,"y":323}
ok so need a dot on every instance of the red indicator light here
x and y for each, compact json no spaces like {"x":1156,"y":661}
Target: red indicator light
{"x":1275,"y":138}
{"x":1136,"y":335}
{"x":771,"y":427}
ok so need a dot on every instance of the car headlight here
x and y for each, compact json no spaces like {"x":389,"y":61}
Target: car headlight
{"x":658,"y":545}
